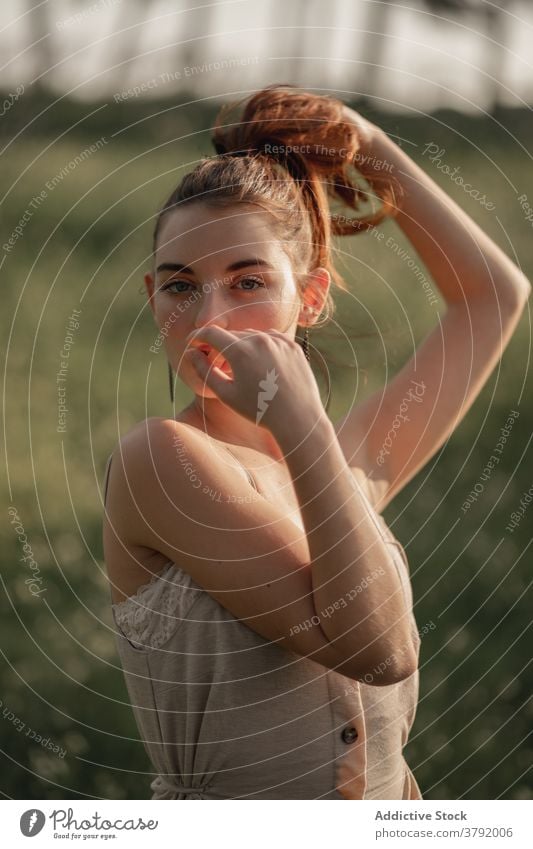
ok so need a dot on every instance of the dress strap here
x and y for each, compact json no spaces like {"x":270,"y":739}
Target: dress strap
{"x":248,"y":473}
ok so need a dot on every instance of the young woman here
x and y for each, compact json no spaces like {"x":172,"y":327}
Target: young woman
{"x":263,"y":608}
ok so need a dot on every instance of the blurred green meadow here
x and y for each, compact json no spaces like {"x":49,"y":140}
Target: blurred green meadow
{"x":85,"y":246}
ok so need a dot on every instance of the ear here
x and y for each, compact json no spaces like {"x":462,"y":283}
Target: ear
{"x":149,"y":283}
{"x":315,"y":292}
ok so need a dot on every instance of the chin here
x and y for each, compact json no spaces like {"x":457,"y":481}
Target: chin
{"x":196,"y":384}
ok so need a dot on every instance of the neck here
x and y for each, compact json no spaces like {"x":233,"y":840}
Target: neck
{"x":221,"y":422}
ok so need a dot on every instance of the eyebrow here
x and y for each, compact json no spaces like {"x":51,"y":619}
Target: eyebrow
{"x":235,"y":266}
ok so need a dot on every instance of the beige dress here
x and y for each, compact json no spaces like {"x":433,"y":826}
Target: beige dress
{"x":227,"y":714}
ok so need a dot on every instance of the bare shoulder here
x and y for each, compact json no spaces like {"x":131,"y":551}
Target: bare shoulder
{"x":157,"y":429}
{"x":151,"y":437}
{"x":130,"y":555}
{"x":144,"y":452}
{"x":168,"y":473}
{"x":152,"y":494}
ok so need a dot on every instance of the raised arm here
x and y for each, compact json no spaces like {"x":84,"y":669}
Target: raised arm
{"x":395,"y":431}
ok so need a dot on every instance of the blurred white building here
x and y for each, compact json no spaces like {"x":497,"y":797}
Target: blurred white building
{"x":417,"y":56}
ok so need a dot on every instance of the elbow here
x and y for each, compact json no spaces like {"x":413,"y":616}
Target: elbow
{"x":402,"y":669}
{"x":518,"y":294}
{"x":389,"y":667}
{"x":525,"y":286}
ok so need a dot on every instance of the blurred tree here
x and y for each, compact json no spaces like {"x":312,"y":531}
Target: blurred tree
{"x":494,"y":21}
{"x":373,"y":47}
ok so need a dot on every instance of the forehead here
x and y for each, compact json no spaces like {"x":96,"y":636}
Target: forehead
{"x":197,"y":232}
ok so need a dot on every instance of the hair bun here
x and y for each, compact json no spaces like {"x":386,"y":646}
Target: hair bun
{"x":222,"y":150}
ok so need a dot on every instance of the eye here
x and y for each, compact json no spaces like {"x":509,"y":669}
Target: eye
{"x":257,"y":280}
{"x":176,"y":283}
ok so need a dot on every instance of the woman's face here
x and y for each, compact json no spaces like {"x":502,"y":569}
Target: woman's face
{"x":223,"y":266}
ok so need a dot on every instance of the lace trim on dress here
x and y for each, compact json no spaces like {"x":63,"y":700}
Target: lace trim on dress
{"x":150,"y":616}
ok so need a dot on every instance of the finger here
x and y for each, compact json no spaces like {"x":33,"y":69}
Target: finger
{"x":220,"y":340}
{"x":212,"y":376}
{"x":213,"y":334}
{"x":280,"y":334}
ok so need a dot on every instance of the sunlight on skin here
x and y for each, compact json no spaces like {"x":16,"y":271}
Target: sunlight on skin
{"x":259,"y":297}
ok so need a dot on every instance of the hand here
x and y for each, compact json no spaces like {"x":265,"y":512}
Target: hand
{"x":268,"y":380}
{"x":368,"y":133}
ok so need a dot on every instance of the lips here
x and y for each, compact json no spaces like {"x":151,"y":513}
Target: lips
{"x":215,"y":358}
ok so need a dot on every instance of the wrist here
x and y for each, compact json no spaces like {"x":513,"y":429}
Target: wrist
{"x":294,"y":433}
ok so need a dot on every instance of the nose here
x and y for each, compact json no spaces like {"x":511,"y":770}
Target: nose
{"x":211,"y":309}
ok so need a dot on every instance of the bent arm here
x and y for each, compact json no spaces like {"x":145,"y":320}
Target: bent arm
{"x":357,"y":591}
{"x":239,"y":547}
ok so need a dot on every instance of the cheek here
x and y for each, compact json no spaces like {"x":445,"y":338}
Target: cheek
{"x":167,"y":311}
{"x":290,"y":300}
{"x":268,"y":310}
